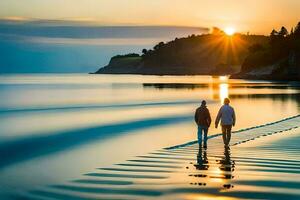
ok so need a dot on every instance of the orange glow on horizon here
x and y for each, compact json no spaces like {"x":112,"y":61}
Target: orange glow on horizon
{"x":230,"y":31}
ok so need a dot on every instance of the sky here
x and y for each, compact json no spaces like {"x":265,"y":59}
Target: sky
{"x":255,"y":16}
{"x":57,"y":47}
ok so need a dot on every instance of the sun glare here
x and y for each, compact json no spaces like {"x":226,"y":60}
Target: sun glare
{"x":229,"y":31}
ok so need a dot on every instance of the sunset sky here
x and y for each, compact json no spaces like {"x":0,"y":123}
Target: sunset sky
{"x":256,"y":16}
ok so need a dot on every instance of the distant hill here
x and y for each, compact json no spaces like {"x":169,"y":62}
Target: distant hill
{"x":279,"y":60}
{"x":196,"y":54}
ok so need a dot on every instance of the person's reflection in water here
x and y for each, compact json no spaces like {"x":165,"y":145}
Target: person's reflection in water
{"x":227,"y":166}
{"x":202,"y":161}
{"x":202,"y":164}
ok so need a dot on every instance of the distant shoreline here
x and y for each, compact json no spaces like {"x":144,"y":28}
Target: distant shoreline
{"x":254,"y":78}
{"x":192,"y":55}
{"x":252,"y":57}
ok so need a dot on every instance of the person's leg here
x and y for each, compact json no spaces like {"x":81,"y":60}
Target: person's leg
{"x":199,"y":135}
{"x":199,"y":156}
{"x":226,"y":130}
{"x":205,"y":131}
{"x":228,"y":134}
{"x":224,"y":134}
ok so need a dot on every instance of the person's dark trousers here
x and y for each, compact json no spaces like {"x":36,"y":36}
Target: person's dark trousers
{"x":226,"y":130}
{"x":202,"y":131}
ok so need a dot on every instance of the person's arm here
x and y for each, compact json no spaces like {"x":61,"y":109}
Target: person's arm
{"x":233,"y":117}
{"x":196,"y":116}
{"x":208,"y":118}
{"x":218,"y":118}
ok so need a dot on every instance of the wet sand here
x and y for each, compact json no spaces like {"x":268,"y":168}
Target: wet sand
{"x":77,"y":136}
{"x":263,"y":162}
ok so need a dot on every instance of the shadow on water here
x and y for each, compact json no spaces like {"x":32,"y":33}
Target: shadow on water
{"x":276,"y":96}
{"x":133,"y":176}
{"x":35,"y":146}
{"x":149,"y":166}
{"x":174,"y":85}
{"x":271,"y":85}
{"x":103,"y":106}
{"x":269,"y":183}
{"x":136,"y":170}
{"x":124,"y":191}
{"x":103,"y":182}
{"x":214,"y":87}
{"x":60,"y":196}
{"x":282,"y":97}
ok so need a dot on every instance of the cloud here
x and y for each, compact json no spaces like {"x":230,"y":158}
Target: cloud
{"x":14,"y":19}
{"x":82,"y":41}
{"x":79,"y":29}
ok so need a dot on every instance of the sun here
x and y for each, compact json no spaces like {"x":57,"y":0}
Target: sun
{"x":229,"y":31}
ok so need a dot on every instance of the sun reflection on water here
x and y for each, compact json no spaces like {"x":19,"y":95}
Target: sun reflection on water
{"x":223,"y":78}
{"x":223,"y":91}
{"x":220,"y":88}
{"x":82,"y":105}
{"x":208,"y":197}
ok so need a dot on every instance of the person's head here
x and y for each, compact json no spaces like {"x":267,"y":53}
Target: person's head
{"x":203,"y":103}
{"x":226,"y":101}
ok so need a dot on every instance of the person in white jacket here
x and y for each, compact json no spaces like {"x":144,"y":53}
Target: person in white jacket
{"x":227,"y":116}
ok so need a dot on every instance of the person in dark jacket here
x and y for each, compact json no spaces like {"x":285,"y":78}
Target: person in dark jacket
{"x":203,"y":120}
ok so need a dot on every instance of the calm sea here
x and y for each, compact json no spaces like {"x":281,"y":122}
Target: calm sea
{"x":55,"y":128}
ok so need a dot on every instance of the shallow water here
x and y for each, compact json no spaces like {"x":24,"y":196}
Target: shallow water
{"x":56,"y":128}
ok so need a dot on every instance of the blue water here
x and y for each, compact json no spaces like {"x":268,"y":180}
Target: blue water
{"x":55,"y":128}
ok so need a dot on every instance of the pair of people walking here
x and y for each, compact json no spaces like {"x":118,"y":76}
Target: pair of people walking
{"x":203,"y":119}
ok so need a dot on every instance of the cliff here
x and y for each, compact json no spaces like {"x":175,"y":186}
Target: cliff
{"x":122,"y":64}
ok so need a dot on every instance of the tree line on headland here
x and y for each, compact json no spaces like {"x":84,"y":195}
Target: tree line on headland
{"x":276,"y":56}
{"x":278,"y":60}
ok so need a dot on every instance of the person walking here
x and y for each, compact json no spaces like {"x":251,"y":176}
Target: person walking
{"x":227,"y":116}
{"x":203,"y":120}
